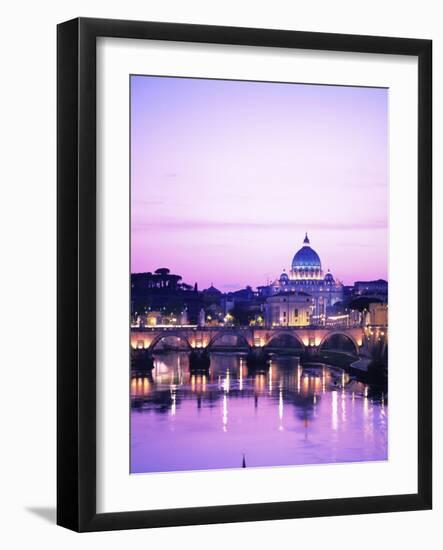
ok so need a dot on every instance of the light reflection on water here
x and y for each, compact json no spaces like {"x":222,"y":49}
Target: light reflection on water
{"x":287,"y":415}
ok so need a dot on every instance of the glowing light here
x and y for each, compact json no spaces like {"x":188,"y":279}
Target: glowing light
{"x":225,"y":413}
{"x":259,"y":382}
{"x":226,"y":382}
{"x":334,"y":410}
{"x":365,"y":407}
{"x":173,"y":405}
{"x":228,"y":318}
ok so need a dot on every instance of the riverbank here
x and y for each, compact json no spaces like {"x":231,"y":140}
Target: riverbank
{"x":357,"y":368}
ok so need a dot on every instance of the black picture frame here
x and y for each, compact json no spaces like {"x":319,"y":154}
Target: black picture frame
{"x":76,"y":265}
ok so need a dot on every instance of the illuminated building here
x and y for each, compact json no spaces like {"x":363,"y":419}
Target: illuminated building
{"x":293,"y":308}
{"x":378,"y":314}
{"x":306,"y":275}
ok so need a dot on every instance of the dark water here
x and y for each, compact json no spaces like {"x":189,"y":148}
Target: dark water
{"x":288,"y":415}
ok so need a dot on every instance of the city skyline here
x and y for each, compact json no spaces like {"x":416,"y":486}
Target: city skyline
{"x":227,"y":176}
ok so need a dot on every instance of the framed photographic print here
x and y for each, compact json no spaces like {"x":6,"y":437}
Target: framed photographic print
{"x":244,"y":231}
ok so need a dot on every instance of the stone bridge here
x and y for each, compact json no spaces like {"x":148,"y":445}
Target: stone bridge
{"x":193,"y":337}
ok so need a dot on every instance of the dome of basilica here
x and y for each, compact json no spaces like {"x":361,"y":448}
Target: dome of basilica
{"x":306,"y":257}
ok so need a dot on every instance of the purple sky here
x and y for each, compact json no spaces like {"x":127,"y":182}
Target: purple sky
{"x":227,"y":176}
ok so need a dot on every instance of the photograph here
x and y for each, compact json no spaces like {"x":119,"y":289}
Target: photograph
{"x":259,"y":274}
{"x":226,"y":219}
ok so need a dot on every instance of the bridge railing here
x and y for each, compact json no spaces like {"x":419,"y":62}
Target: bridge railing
{"x":227,"y":328}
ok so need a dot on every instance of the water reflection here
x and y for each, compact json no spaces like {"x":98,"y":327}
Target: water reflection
{"x":289,"y":414}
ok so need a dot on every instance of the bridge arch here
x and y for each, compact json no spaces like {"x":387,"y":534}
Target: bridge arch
{"x":223,"y":333}
{"x":347,"y":338}
{"x":174,"y":334}
{"x":287,"y":336}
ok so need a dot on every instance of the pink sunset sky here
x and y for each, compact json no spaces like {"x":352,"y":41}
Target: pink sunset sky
{"x":226,"y":177}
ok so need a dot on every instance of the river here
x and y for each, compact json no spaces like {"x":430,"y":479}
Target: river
{"x":234,"y":417}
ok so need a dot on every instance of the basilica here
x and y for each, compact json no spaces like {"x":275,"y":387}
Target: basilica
{"x":301,"y":296}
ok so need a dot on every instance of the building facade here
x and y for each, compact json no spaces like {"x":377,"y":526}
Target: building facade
{"x":371,"y":288}
{"x":378,"y":314}
{"x":289,"y":309}
{"x":306,"y":275}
